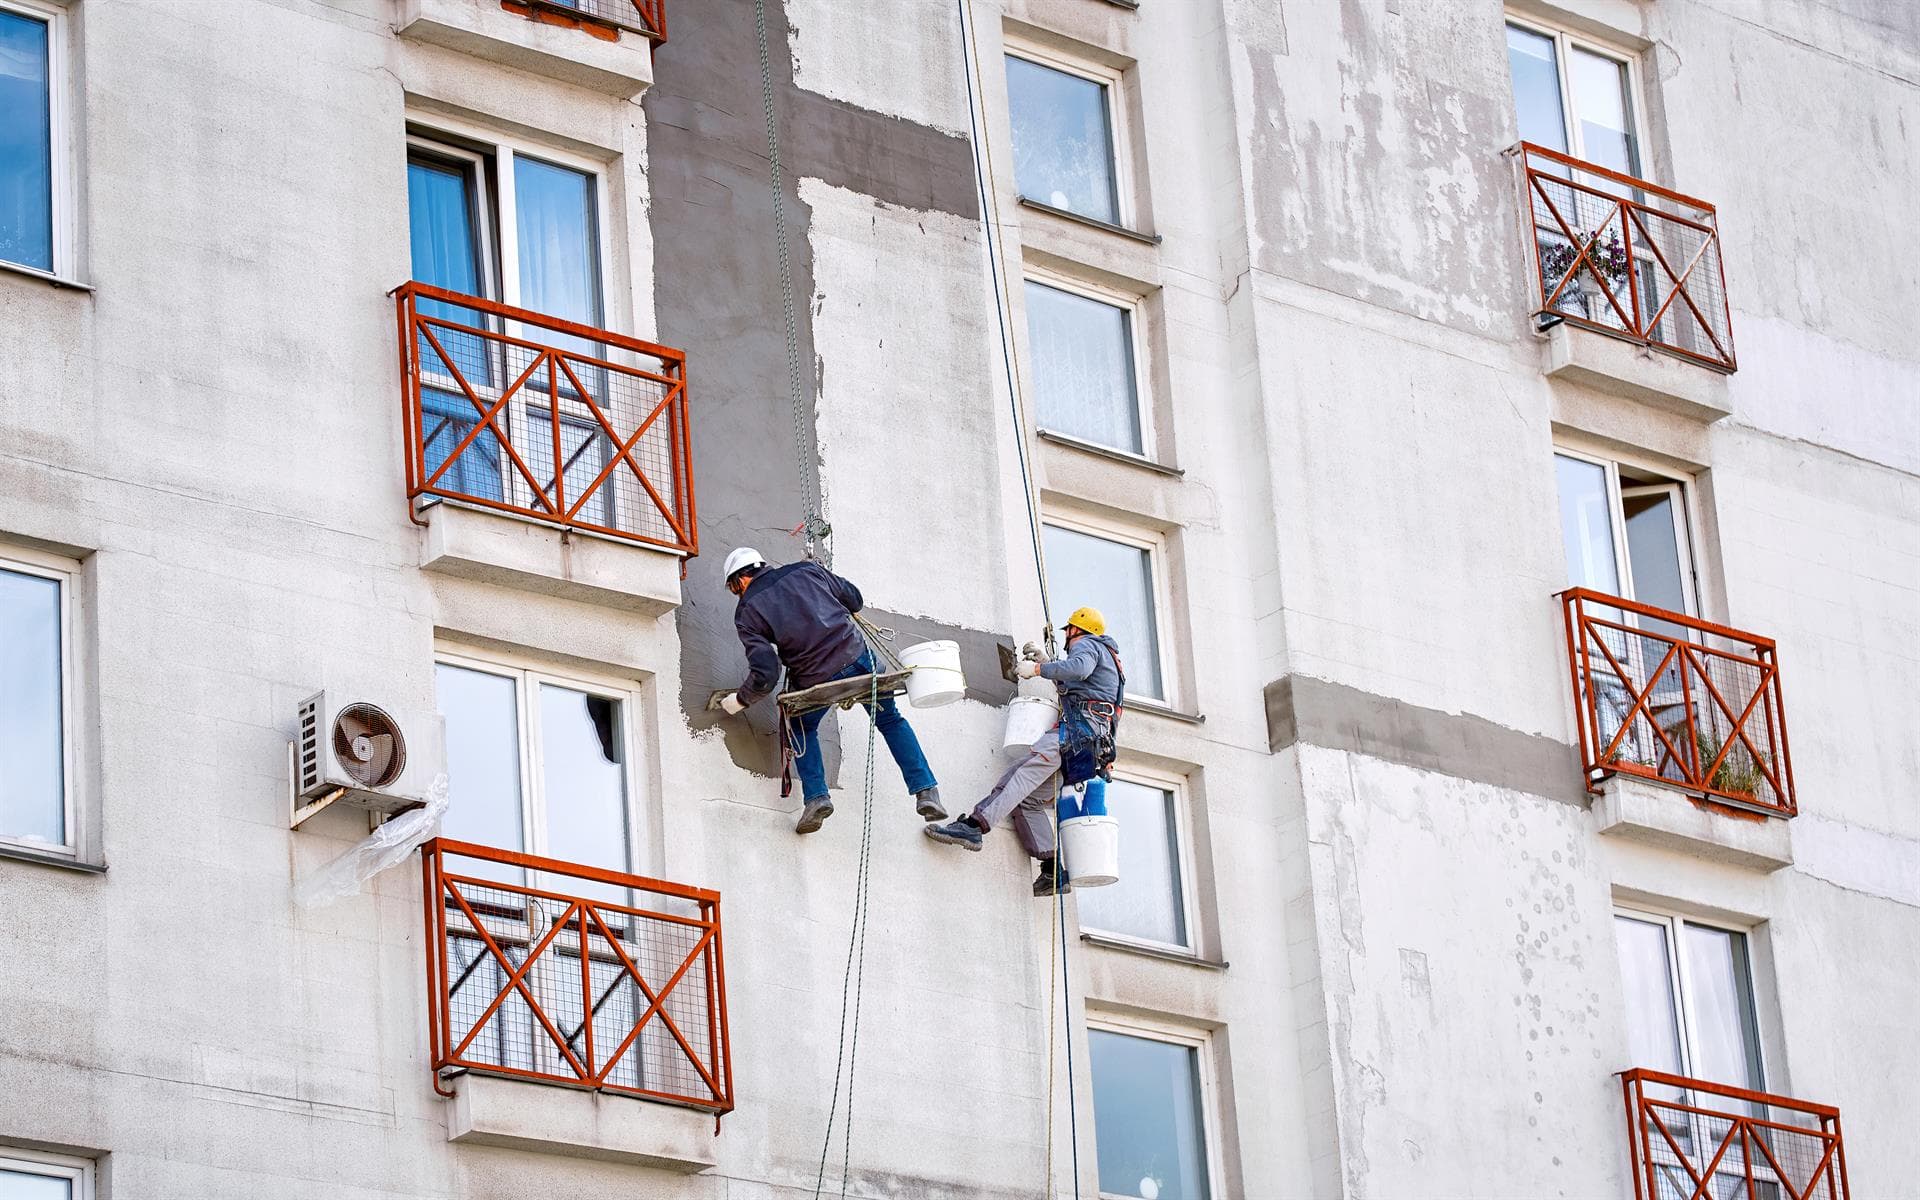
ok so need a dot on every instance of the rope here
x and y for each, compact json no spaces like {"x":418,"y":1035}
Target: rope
{"x":814,"y":528}
{"x":853,"y":982}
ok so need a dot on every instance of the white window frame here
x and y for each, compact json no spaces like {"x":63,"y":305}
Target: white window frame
{"x":528,"y":675}
{"x":60,"y":126}
{"x":1156,"y":547}
{"x":1130,"y":303}
{"x":1201,"y":1043}
{"x":1564,"y":40}
{"x":1617,"y":518}
{"x":64,"y":573}
{"x":1176,"y":785}
{"x":1119,"y":129}
{"x":77,"y":1171}
{"x":1681,"y":978}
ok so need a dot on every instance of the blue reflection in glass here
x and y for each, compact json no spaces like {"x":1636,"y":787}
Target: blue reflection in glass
{"x":18,"y":1185}
{"x":26,"y":143}
{"x":32,"y":759}
{"x":1117,"y":579}
{"x":1062,"y":142}
{"x":1146,"y":1117}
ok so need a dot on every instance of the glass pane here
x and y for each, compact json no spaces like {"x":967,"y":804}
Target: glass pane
{"x":442,"y":217}
{"x":1653,"y":1025}
{"x":1082,"y":354}
{"x":440,"y":213}
{"x":18,"y":1185}
{"x":583,"y":773}
{"x":1586,"y":525}
{"x":1146,"y":1118}
{"x":1602,"y":103}
{"x":1146,"y":902}
{"x":33,"y":803}
{"x":1726,"y":1034}
{"x":483,"y":759}
{"x":1117,"y":579}
{"x":1653,"y":550}
{"x":1536,"y":88}
{"x":26,"y":143}
{"x":559,"y":244}
{"x":1062,"y":142}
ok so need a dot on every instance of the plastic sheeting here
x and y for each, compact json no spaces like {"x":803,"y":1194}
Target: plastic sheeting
{"x":388,"y":846}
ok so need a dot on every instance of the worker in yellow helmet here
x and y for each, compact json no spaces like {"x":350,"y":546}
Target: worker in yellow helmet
{"x":1079,"y":747}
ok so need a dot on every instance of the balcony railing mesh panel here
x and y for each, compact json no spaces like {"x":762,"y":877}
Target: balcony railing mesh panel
{"x":646,"y":17}
{"x":1700,"y":1141}
{"x":521,"y":950}
{"x":1623,"y":256}
{"x":546,"y":419}
{"x":1666,"y":696}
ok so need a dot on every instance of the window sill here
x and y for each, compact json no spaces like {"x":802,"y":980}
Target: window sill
{"x":1108,"y":452}
{"x":1154,"y":708}
{"x":473,"y":543}
{"x":42,"y":858}
{"x":622,"y":67}
{"x":1640,"y":810}
{"x":1151,"y":239}
{"x":1166,"y":953}
{"x":47,"y":277}
{"x":570,"y":1123}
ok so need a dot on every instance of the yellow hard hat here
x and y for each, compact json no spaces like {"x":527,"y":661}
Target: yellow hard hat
{"x":1088,"y":619}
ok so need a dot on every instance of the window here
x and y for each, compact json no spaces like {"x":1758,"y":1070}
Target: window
{"x":1625,"y":531}
{"x":1689,"y":999}
{"x":1063,"y":137}
{"x":1149,"y":1115}
{"x":36,"y":768}
{"x":536,"y":763}
{"x":33,"y":169}
{"x":1084,"y":375}
{"x":467,"y":203}
{"x":1574,"y":97}
{"x":1116,"y":575}
{"x":30,"y":1176}
{"x":1149,"y":904}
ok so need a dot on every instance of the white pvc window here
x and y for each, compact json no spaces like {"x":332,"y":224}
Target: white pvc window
{"x":1626,"y":531}
{"x":36,"y":185}
{"x":538,"y":763}
{"x":1574,"y":96}
{"x":1690,"y":1003}
{"x":1151,"y":1094}
{"x":1115,"y":573}
{"x":1151,"y":903}
{"x":1085,"y":365}
{"x":36,"y":706}
{"x":1064,"y":122}
{"x":25,"y":1175}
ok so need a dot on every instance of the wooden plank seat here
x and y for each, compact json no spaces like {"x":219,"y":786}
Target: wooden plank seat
{"x":846,"y":693}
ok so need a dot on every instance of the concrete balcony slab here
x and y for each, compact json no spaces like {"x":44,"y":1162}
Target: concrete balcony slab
{"x":474,"y":543}
{"x":1643,"y":811}
{"x":1638,"y":372}
{"x":487,"y":1111}
{"x":621,"y":66}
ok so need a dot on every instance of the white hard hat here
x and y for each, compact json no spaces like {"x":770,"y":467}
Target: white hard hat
{"x":745,"y":556}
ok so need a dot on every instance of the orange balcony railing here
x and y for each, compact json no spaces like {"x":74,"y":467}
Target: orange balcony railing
{"x":1673,"y":698}
{"x":549,"y":971}
{"x":647,"y":18}
{"x":544,"y":418}
{"x":1626,"y":257}
{"x":1703,"y":1141}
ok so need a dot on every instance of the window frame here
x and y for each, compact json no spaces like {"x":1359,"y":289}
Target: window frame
{"x":1119,"y":130}
{"x":76,"y":1170}
{"x":1689,"y":528}
{"x":1564,"y":40}
{"x":1135,"y":307}
{"x":1200,"y":1041}
{"x":528,"y":674}
{"x":66,"y":575}
{"x":1680,"y":978}
{"x":1155,"y":546}
{"x":1182,"y":829}
{"x":63,"y":201}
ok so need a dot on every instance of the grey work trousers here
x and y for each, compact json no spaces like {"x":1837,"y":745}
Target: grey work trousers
{"x":1028,"y":789}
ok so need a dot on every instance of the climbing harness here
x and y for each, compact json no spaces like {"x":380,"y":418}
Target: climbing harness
{"x":1090,"y":731}
{"x":813,"y":527}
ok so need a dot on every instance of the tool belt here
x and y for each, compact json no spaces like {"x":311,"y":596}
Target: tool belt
{"x":1088,"y":737}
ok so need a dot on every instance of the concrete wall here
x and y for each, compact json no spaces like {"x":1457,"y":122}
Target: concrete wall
{"x":1392,"y":852}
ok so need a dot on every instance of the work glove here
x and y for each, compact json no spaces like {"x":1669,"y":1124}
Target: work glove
{"x":1027,"y":668}
{"x":1033,"y":653}
{"x":730,"y":704}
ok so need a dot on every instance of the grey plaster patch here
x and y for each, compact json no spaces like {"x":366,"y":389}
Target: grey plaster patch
{"x":1319,"y":712}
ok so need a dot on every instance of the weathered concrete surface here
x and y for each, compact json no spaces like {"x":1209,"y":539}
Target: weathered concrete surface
{"x":1661,"y":816}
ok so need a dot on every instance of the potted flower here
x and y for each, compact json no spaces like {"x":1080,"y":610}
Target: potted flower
{"x":1609,"y":258}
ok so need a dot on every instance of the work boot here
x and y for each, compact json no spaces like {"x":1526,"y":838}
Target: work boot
{"x":1053,"y":879}
{"x":814,"y":815}
{"x":927,"y":804}
{"x":963,"y":831}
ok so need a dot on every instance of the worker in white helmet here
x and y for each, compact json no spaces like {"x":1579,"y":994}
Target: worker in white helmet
{"x":800,"y":617}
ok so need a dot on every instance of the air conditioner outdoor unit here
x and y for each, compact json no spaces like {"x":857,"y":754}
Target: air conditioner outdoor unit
{"x":358,"y":753}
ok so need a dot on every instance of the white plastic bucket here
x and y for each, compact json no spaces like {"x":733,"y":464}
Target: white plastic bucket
{"x":936,"y":677}
{"x":1091,"y":846}
{"x":1027,"y":718}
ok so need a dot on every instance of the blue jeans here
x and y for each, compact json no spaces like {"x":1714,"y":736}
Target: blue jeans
{"x":901,"y":742}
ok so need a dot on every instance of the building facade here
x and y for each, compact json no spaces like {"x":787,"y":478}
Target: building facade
{"x":1521,"y":683}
